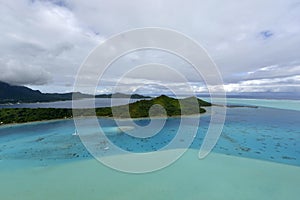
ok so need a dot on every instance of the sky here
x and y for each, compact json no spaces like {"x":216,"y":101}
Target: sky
{"x":254,"y":43}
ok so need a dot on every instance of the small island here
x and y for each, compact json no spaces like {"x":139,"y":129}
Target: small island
{"x":139,"y":109}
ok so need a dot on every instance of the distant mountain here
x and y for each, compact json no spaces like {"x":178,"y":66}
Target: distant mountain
{"x":14,"y":94}
{"x":121,"y":95}
{"x":21,"y":94}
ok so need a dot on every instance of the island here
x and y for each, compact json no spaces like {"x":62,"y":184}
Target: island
{"x":138,"y":109}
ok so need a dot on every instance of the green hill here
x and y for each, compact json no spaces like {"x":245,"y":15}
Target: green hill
{"x":138,"y":109}
{"x":171,"y":107}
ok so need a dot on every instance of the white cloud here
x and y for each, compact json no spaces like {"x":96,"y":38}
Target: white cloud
{"x":16,"y":73}
{"x":286,"y":84}
{"x":254,"y":43}
{"x":41,"y":38}
{"x":274,"y":71}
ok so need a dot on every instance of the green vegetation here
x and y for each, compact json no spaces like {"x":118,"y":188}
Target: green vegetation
{"x":139,"y":109}
{"x":20,"y":115}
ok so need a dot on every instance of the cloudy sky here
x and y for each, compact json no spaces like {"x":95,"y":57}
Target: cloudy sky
{"x":254,"y":43}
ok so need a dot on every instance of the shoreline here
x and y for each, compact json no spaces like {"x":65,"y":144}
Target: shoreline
{"x":99,"y":117}
{"x":206,"y":113}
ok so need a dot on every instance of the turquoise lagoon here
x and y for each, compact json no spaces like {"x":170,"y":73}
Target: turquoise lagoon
{"x":256,"y":157}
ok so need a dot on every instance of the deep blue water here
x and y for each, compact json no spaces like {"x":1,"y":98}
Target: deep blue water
{"x":99,"y":102}
{"x":261,"y":133}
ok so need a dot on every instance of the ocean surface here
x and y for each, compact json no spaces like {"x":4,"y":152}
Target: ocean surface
{"x":99,"y":102}
{"x":256,"y":157}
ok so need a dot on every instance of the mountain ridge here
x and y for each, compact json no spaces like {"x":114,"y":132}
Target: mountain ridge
{"x":21,"y":94}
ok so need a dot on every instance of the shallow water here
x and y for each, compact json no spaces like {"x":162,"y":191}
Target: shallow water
{"x":44,"y":160}
{"x":261,"y":133}
{"x":217,"y":177}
